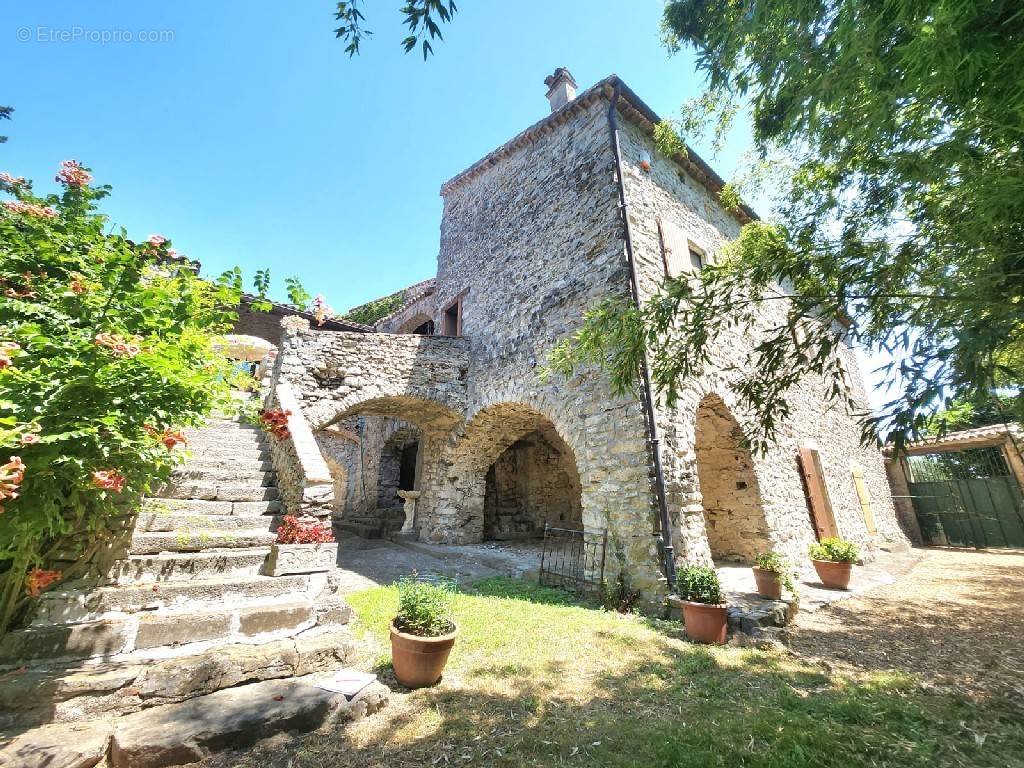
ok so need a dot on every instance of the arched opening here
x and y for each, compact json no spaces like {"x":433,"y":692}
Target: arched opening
{"x":397,"y":467}
{"x":532,"y":483}
{"x":394,"y":444}
{"x":511,"y":472}
{"x":733,"y":514}
{"x":421,"y":324}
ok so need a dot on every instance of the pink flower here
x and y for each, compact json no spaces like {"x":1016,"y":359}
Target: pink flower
{"x":11,"y":476}
{"x":157,"y":240}
{"x":73,"y":174}
{"x":29,"y":438}
{"x":321,"y":311}
{"x":122,"y":346}
{"x":7,"y":349}
{"x":77,"y":287}
{"x":108,"y":480}
{"x":11,"y":181}
{"x":30,"y":209}
{"x":38,"y":580}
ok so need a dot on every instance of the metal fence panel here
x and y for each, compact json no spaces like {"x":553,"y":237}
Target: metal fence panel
{"x":573,"y":559}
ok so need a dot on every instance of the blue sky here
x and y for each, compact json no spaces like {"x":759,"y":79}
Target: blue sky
{"x":247,"y":135}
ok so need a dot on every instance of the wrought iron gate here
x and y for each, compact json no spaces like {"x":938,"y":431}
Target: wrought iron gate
{"x":573,"y":559}
{"x":967,"y":499}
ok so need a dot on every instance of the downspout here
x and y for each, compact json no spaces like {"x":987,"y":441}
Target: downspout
{"x":667,"y":550}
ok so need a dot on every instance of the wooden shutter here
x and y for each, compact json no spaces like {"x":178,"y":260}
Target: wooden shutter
{"x":817,"y":493}
{"x":864,"y":498}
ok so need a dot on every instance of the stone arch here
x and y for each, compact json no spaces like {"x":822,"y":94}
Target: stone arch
{"x":398,"y":468}
{"x":421,"y":323}
{"x":734,"y":515}
{"x":426,"y":414}
{"x":509,"y":471}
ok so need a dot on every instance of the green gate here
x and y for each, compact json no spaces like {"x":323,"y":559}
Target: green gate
{"x":967,"y":499}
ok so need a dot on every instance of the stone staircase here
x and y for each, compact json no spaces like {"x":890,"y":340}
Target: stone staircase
{"x":188,"y":612}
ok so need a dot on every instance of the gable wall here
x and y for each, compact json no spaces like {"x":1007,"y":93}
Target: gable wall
{"x":534,"y":241}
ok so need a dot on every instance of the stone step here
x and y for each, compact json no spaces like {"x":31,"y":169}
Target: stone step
{"x":198,"y":489}
{"x":72,"y":606}
{"x":192,"y":523}
{"x":157,"y":634}
{"x":219,"y":464}
{"x":235,"y":718}
{"x":145,"y":543}
{"x":182,"y":566}
{"x":366,"y":530}
{"x":205,"y":507}
{"x":239,"y":474}
{"x":65,"y":694}
{"x":224,"y":437}
{"x":248,"y":455}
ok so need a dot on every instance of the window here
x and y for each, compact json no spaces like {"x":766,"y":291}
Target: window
{"x":696,"y":260}
{"x":681,"y":255}
{"x":451,"y":320}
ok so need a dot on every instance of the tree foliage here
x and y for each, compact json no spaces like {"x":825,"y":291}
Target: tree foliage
{"x":899,"y":209}
{"x":423,"y":18}
{"x":298,"y":296}
{"x":105,"y":351}
{"x":5,"y":114}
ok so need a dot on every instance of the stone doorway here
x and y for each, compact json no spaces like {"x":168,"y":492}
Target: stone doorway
{"x":532,"y":483}
{"x":397,"y":469}
{"x":733,"y":514}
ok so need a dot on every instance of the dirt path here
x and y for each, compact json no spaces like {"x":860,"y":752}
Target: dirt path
{"x":957,"y":619}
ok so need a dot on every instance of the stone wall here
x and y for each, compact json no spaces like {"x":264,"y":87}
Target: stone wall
{"x":531,"y":484}
{"x":530,"y":242}
{"x":668,"y":194}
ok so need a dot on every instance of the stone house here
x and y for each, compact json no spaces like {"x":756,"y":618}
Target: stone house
{"x":443,"y":398}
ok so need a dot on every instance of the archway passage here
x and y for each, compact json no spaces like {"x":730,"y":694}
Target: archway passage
{"x":733,"y":514}
{"x":532,"y":483}
{"x":508,"y":473}
{"x":397,"y":468}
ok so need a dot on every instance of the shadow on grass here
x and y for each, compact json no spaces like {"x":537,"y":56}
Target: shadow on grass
{"x":636,"y":698}
{"x":517,"y":589}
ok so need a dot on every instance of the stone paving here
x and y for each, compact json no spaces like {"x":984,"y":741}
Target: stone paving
{"x":365,"y":563}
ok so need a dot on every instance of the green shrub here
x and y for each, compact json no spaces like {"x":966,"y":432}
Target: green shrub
{"x":425,"y":607}
{"x":777,"y":564}
{"x":834,"y":549}
{"x":106,"y":350}
{"x":699,"y":584}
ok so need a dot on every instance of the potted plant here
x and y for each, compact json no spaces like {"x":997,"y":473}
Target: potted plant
{"x":303,"y":546}
{"x":703,"y":604}
{"x":772,"y":572}
{"x":833,"y":559}
{"x":423,"y":632}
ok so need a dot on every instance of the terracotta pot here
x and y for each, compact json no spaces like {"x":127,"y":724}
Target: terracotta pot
{"x":705,"y":623}
{"x":768,"y":583}
{"x":833,"y":575}
{"x":419,"y":661}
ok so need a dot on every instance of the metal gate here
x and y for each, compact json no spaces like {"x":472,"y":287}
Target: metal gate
{"x":573,"y":559}
{"x":967,"y":499}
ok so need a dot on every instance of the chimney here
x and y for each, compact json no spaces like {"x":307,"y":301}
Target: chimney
{"x":561,"y":88}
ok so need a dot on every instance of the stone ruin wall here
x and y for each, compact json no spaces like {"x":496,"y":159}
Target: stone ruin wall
{"x":534,"y":240}
{"x":669,"y":193}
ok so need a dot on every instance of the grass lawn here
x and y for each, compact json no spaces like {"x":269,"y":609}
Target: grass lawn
{"x":537,"y":679}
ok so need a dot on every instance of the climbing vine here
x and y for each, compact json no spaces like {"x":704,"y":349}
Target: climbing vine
{"x":105,"y":350}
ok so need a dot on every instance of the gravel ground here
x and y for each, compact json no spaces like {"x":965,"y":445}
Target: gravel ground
{"x":956,"y":619}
